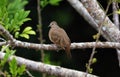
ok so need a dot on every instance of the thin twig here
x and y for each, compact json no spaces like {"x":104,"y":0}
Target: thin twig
{"x":29,"y":74}
{"x":97,"y":40}
{"x":3,"y":49}
{"x":2,"y":39}
{"x":39,"y":26}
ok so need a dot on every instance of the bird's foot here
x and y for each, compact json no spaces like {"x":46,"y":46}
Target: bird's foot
{"x":59,"y":48}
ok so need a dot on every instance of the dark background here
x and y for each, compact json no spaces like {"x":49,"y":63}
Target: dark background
{"x":78,"y":30}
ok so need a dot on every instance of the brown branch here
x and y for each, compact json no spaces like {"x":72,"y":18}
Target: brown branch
{"x":39,"y":26}
{"x":48,"y":69}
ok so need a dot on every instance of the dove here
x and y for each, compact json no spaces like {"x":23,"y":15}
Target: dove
{"x":58,"y":36}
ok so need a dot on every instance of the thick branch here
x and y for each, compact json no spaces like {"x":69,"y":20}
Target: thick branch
{"x":49,"y":69}
{"x":3,"y":43}
{"x":109,"y":30}
{"x":116,"y":22}
{"x":83,"y":12}
{"x":115,"y":15}
{"x":17,"y":43}
{"x":5,"y":33}
{"x":98,"y":15}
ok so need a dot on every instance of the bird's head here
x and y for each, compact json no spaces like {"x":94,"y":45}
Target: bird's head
{"x":53,"y":24}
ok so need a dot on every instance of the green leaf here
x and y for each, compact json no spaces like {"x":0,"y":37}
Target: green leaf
{"x":96,"y":36}
{"x":31,"y":32}
{"x":54,"y":2}
{"x":26,"y":32}
{"x":21,"y":69}
{"x":24,"y":13}
{"x":43,"y":3}
{"x":118,"y":12}
{"x":16,"y":5}
{"x":25,"y":36}
{"x":7,"y":55}
{"x":13,"y":67}
{"x":23,"y":20}
{"x":3,"y":3}
{"x":90,"y":70}
{"x":94,"y":60}
{"x":117,"y":1}
{"x":13,"y":15}
{"x":27,"y":29}
{"x":17,"y":34}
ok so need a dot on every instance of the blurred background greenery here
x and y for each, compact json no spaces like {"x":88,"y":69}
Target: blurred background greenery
{"x":78,"y":30}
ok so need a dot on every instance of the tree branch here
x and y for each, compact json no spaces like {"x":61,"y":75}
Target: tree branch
{"x":78,"y":6}
{"x":116,"y":22}
{"x":109,"y":30}
{"x":96,"y":15}
{"x":49,"y":69}
{"x":115,"y":7}
{"x":17,"y":43}
{"x":6,"y":34}
{"x":73,"y":45}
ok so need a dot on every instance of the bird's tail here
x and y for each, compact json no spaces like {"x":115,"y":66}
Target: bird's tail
{"x":67,"y":49}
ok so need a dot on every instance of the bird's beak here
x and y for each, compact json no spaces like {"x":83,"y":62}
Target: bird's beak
{"x":48,"y":26}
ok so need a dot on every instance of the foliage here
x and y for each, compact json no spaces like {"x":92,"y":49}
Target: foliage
{"x":48,"y":61}
{"x":118,"y":12}
{"x":13,"y":15}
{"x":7,"y":55}
{"x":44,"y":3}
{"x":14,"y":69}
{"x":26,"y":32}
{"x":89,"y":69}
{"x":96,"y":36}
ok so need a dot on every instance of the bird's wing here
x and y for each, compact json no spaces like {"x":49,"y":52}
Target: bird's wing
{"x":64,"y":39}
{"x":54,"y":36}
{"x":65,"y":36}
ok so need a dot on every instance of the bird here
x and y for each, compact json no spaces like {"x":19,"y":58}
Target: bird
{"x":58,"y":36}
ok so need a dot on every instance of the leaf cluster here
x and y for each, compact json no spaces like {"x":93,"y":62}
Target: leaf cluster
{"x":13,"y":15}
{"x":44,"y":3}
{"x":14,"y":69}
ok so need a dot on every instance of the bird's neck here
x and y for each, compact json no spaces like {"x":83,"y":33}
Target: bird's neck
{"x":56,"y":27}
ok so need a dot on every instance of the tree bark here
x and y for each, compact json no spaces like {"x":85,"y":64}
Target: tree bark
{"x":48,"y":69}
{"x":96,"y":14}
